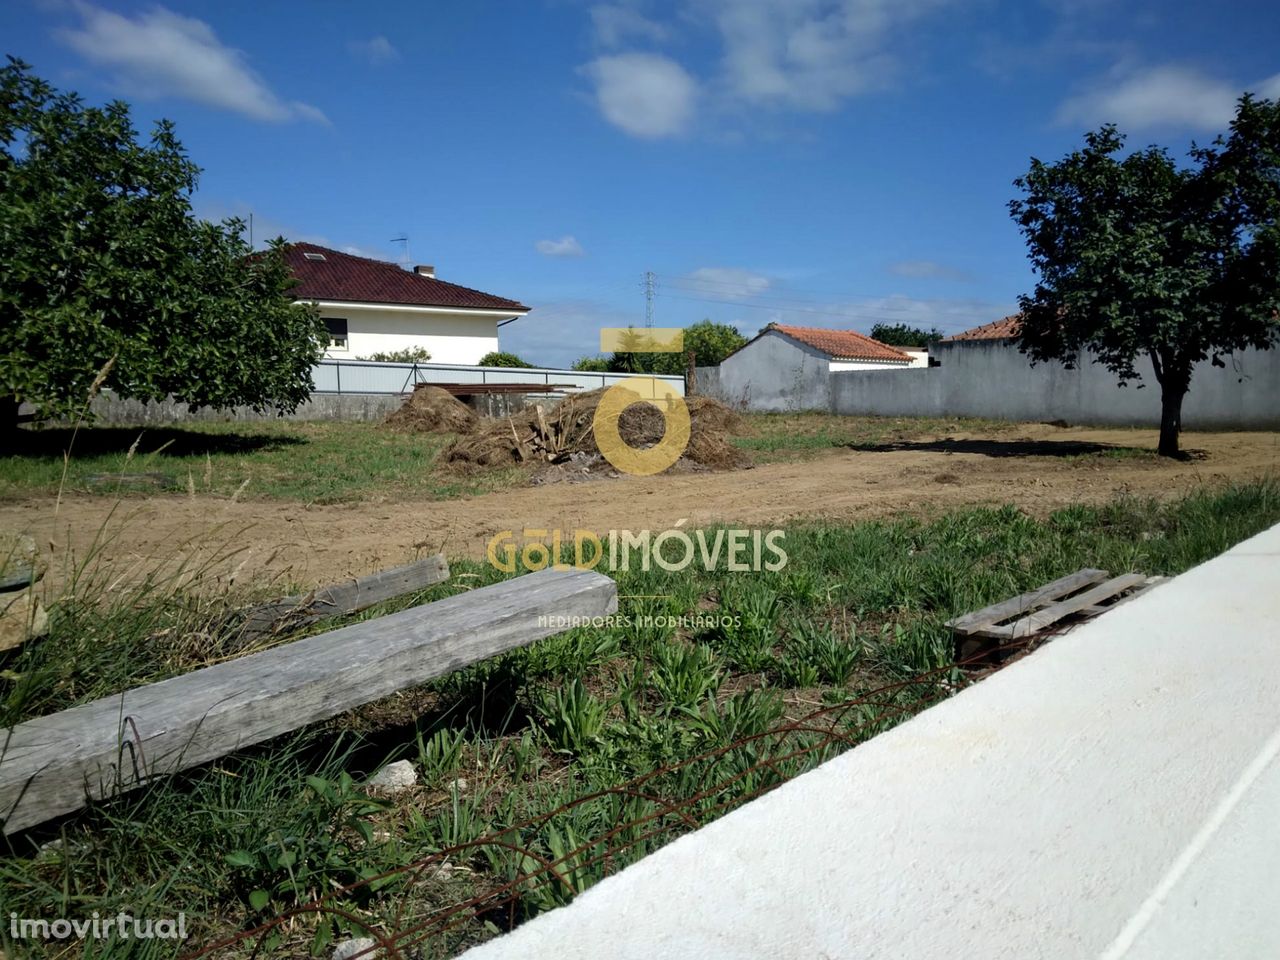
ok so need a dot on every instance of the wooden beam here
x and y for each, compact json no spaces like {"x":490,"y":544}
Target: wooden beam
{"x":355,"y":595}
{"x":53,"y":765}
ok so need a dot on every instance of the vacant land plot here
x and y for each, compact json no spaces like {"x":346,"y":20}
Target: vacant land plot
{"x":534,"y":757}
{"x":589,"y":748}
{"x":394,"y":500}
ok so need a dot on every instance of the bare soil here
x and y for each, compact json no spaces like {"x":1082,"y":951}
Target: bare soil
{"x":1036,"y":467}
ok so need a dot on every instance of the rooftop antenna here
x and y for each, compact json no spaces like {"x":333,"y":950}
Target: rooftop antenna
{"x":404,"y":257}
{"x":250,"y":229}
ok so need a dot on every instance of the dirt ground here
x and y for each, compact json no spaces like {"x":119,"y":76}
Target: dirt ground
{"x":1037,"y":467}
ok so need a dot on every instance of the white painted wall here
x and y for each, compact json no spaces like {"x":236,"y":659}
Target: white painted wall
{"x":1112,"y":796}
{"x":461,"y":336}
{"x":919,"y":355}
{"x":776,"y":373}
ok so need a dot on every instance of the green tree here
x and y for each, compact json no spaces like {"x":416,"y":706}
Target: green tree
{"x":1138,"y":257}
{"x":710,"y":343}
{"x":102,"y":259}
{"x":403,"y":355}
{"x":497,"y":358}
{"x":596,"y":364}
{"x":901,"y":335}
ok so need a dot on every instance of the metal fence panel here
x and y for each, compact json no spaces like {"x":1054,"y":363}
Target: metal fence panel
{"x":370,"y":376}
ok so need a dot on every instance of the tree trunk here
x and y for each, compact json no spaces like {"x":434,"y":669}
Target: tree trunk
{"x":1172,"y":392}
{"x":8,"y":418}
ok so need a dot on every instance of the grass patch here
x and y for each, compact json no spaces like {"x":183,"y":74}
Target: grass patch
{"x":527,"y":734}
{"x":775,"y":437}
{"x":320,"y":462}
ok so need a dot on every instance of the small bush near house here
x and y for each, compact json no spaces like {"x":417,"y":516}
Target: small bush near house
{"x":407,"y":355}
{"x":497,"y":358}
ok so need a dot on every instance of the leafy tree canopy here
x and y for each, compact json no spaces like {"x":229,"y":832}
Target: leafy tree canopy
{"x":710,"y":343}
{"x":901,"y":335}
{"x":101,"y":258}
{"x":498,"y":358}
{"x":1138,"y":257}
{"x":596,"y":364}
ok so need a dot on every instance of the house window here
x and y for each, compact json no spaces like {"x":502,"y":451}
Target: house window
{"x":314,"y":256}
{"x":337,"y":327}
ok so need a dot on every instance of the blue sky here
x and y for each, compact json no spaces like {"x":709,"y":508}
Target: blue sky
{"x":831,"y":163}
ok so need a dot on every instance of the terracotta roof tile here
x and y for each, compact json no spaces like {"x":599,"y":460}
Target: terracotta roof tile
{"x":341,"y":276}
{"x":843,"y":344}
{"x":996,"y":330}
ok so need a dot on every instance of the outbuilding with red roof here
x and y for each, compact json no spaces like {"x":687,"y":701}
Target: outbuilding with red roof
{"x":374,"y":307}
{"x":787,"y":367}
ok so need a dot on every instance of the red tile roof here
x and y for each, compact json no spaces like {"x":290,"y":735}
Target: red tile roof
{"x":842,"y":344}
{"x":341,"y":276}
{"x":996,"y":330}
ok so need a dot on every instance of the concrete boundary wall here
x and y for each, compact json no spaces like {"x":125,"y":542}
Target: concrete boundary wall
{"x":993,"y":379}
{"x":109,"y":409}
{"x":1112,"y":795}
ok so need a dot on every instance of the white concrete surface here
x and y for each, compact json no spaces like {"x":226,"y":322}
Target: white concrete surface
{"x":1114,"y":795}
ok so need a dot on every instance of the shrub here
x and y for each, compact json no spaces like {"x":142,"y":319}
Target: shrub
{"x":406,"y":355}
{"x":497,"y":358}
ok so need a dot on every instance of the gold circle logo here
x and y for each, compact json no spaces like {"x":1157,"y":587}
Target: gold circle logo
{"x":647,"y":461}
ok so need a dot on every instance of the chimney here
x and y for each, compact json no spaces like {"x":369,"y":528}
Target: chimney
{"x":425,"y":270}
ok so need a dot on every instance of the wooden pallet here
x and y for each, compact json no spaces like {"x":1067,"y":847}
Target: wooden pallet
{"x":1085,"y":593}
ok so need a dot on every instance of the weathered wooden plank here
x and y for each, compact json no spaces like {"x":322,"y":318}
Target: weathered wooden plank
{"x":50,"y":765}
{"x":343,"y":598}
{"x":1026,"y":602}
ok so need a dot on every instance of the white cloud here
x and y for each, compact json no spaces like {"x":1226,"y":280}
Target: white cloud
{"x":806,"y":55}
{"x":566,"y":246}
{"x":615,"y":23}
{"x":1161,"y":96}
{"x":644,"y":94}
{"x":927,"y":270}
{"x":809,"y":54}
{"x":557,"y":332}
{"x":164,"y":53}
{"x":376,"y":50}
{"x":731,"y":283}
{"x":367,"y":252}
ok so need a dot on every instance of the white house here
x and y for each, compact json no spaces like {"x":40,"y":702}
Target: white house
{"x":372,"y":306}
{"x":789,"y":368}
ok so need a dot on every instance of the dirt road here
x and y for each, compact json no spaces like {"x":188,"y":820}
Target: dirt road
{"x":1037,"y":467}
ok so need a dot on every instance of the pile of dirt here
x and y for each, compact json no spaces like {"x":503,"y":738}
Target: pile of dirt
{"x":433,"y":410}
{"x":564,"y":432}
